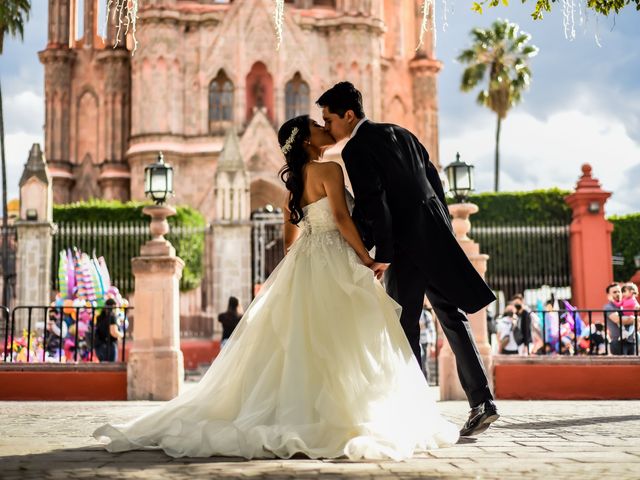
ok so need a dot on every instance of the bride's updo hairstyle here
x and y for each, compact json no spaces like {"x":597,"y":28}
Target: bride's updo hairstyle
{"x":291,"y":136}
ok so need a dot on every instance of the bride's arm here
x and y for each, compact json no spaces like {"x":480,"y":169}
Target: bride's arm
{"x":333,"y":182}
{"x":291,"y":231}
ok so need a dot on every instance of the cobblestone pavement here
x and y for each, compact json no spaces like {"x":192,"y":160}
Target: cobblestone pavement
{"x":583,"y":440}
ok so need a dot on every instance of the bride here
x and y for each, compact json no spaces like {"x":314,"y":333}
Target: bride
{"x":319,"y":364}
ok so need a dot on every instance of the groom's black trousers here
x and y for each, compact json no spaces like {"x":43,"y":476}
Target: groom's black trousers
{"x":407,"y":285}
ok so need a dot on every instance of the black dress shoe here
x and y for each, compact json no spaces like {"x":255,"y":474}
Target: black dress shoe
{"x":480,"y":418}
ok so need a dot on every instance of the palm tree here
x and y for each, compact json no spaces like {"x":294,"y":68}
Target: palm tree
{"x":13,"y":16}
{"x":499,"y":56}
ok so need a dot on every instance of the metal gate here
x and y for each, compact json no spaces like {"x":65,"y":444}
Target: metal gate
{"x":523,"y":257}
{"x":267,"y":244}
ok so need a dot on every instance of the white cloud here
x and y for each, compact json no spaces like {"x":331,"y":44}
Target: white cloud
{"x":23,"y":121}
{"x":24,"y":112}
{"x":547,"y":153}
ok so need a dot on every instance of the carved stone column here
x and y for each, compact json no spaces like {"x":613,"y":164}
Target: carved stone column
{"x":34,"y":230}
{"x":450,"y":388}
{"x":155,"y":370}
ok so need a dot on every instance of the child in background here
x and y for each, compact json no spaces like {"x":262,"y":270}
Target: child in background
{"x":629,"y":302}
{"x":630,"y":308}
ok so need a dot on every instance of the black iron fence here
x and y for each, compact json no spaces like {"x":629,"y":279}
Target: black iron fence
{"x":267,"y":244}
{"x":64,"y":334}
{"x":10,"y":275}
{"x":570,"y":332}
{"x":119,"y":242}
{"x":524,"y":257}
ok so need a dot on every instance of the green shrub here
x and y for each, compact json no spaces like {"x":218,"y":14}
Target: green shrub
{"x":532,"y":207}
{"x":625,"y":241}
{"x":119,"y":249}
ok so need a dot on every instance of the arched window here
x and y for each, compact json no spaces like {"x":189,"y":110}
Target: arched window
{"x":220,"y":99}
{"x":296,"y":97}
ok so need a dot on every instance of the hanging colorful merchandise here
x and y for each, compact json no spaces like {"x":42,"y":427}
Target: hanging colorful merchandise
{"x":65,"y":335}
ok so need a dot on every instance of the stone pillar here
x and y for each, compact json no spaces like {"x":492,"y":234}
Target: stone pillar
{"x":34,"y":229}
{"x":232,"y":228}
{"x":591,"y":257}
{"x":450,"y":388}
{"x":155,"y":369}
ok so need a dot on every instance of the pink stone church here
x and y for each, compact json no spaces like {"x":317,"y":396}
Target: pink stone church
{"x":207,"y":73}
{"x":202,"y":67}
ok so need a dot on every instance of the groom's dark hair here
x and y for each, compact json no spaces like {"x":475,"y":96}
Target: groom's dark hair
{"x":341,"y":97}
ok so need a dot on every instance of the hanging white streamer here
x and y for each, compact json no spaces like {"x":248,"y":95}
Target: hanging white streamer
{"x":127,"y":12}
{"x":278,"y":18}
{"x":426,"y":24}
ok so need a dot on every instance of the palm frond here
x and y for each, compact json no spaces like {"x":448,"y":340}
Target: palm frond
{"x":467,"y":56}
{"x":498,"y":55}
{"x":13,"y":16}
{"x":472,"y":76}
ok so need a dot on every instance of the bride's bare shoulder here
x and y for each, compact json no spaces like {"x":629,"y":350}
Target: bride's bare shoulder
{"x":329,"y":167}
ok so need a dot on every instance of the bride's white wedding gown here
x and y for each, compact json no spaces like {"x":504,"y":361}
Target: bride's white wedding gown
{"x":318,"y":365}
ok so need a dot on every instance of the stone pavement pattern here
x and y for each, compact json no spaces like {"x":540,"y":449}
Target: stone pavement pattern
{"x":578,"y":440}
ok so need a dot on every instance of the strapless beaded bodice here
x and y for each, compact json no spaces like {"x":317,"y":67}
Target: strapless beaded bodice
{"x":318,"y":217}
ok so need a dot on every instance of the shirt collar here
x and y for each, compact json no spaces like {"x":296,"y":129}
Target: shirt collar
{"x":355,"y":129}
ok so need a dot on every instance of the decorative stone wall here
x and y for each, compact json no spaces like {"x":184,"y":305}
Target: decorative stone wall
{"x":231,"y":264}
{"x":33,"y":266}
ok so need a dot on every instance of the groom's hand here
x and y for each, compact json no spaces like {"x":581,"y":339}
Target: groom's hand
{"x":379,"y":269}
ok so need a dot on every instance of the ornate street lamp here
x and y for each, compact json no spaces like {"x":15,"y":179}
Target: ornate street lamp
{"x":158,"y":180}
{"x":460,"y":177}
{"x":158,"y":185}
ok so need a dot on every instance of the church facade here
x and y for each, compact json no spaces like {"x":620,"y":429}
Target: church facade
{"x":207,"y":70}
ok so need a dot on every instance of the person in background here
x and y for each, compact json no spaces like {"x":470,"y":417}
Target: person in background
{"x":427,"y":337}
{"x":107,"y":333}
{"x":630,"y":309}
{"x":506,"y":326}
{"x":56,"y":332}
{"x":230,"y":319}
{"x":629,"y":303}
{"x":529,"y":325}
{"x":615,"y":320}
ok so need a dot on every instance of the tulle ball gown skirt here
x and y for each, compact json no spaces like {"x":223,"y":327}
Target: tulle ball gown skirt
{"x":319,"y":365}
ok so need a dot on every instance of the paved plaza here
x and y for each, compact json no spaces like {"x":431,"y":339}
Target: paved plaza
{"x":544,"y":439}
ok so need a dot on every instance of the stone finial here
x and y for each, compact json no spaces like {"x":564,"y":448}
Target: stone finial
{"x":36,"y":188}
{"x":36,"y":166}
{"x":586,"y":181}
{"x":231,"y":157}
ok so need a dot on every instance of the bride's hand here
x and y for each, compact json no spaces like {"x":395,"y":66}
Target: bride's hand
{"x":377,"y":267}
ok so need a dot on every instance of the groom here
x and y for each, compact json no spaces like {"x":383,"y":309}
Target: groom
{"x":400,"y":209}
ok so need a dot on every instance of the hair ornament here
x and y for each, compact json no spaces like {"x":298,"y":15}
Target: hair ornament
{"x":288,"y":144}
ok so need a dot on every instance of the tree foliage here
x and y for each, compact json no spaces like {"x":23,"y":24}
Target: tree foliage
{"x":603,"y":7}
{"x":497,"y":62}
{"x":13,"y":15}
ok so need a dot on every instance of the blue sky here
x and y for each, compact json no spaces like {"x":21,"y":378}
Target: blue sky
{"x":583,"y":104}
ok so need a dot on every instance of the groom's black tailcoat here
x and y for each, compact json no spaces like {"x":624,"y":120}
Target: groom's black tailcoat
{"x":400,"y":208}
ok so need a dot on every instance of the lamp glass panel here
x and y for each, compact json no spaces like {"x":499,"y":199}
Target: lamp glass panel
{"x":451,"y":177}
{"x":147,"y":180}
{"x":462,"y":178}
{"x":158,"y":181}
{"x":170,"y":180}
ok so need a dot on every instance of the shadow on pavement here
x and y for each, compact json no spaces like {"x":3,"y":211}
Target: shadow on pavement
{"x":94,"y":462}
{"x":573,"y":422}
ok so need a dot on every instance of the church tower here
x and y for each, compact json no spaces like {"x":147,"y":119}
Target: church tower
{"x":87,"y":99}
{"x":424,"y":69}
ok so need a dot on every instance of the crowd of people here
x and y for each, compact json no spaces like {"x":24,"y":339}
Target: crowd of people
{"x":560,"y":328}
